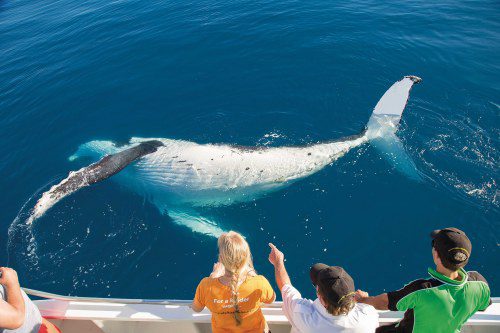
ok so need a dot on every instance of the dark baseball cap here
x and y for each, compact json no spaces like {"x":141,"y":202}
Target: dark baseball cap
{"x":333,"y":282}
{"x":452,"y":245}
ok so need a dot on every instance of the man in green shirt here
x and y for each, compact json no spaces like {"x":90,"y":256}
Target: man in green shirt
{"x":443,"y":302}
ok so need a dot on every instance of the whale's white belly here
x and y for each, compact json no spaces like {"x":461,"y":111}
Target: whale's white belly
{"x":218,"y":174}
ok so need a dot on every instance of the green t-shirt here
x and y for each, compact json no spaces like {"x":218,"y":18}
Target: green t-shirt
{"x":440,"y":304}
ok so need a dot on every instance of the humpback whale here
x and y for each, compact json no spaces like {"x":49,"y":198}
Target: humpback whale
{"x":178,"y":176}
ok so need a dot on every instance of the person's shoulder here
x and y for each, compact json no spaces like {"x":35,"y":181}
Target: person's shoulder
{"x":293,"y":297}
{"x":304,"y":306}
{"x":474,"y":276}
{"x":260,"y":278}
{"x":477,"y":284}
{"x":207,"y":281}
{"x":260,"y":281}
{"x":419,"y":284}
{"x":365,"y":309}
{"x":364,"y":317}
{"x":423,"y":283}
{"x":409,"y":291}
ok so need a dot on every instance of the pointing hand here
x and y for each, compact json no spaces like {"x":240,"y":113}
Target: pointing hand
{"x":275,"y":256}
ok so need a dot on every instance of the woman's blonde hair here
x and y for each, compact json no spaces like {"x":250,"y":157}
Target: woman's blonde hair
{"x":234,"y":254}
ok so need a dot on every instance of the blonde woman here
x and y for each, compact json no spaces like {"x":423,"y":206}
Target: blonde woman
{"x":234,"y":292}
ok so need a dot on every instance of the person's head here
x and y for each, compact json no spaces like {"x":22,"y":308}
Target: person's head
{"x":234,"y":254}
{"x":335,"y":288}
{"x":451,"y":248}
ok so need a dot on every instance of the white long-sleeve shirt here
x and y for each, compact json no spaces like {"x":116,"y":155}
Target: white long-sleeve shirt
{"x":307,"y":316}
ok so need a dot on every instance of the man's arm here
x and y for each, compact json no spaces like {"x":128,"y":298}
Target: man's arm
{"x":380,"y":302}
{"x":12,"y":310}
{"x":390,"y":300}
{"x":292,"y":299}
{"x":277,"y":259}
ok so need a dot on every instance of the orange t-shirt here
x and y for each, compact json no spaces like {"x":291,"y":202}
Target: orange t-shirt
{"x":254,"y":291}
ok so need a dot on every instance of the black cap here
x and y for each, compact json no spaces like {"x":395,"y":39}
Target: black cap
{"x":452,"y":245}
{"x":333,"y":281}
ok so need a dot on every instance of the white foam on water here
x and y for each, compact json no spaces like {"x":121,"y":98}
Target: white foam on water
{"x":21,"y":233}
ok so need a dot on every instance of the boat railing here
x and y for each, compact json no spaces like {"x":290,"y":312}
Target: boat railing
{"x":118,"y":311}
{"x":43,"y":294}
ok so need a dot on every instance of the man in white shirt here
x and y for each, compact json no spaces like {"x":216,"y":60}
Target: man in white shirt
{"x":335,"y":309}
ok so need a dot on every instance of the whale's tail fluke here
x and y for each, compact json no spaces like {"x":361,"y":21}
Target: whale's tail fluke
{"x":383,"y":124}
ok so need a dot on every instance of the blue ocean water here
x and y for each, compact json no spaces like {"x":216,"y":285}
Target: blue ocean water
{"x":264,"y":73}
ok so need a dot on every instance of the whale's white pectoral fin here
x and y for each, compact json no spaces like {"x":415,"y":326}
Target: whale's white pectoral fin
{"x":195,"y":222}
{"x":106,"y":167}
